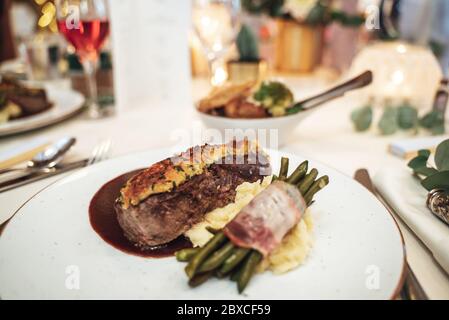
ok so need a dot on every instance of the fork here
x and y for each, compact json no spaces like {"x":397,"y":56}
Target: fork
{"x":100,"y":153}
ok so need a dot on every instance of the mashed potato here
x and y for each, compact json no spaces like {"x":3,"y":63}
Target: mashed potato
{"x":294,"y":247}
{"x":293,"y":250}
{"x":219,"y":217}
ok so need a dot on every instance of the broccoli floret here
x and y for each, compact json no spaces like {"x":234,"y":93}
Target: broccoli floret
{"x":274,"y":96}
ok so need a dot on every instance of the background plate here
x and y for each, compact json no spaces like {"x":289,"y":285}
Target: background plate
{"x":66,"y":103}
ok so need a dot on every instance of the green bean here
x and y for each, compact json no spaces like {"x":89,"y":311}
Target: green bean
{"x":203,"y":253}
{"x":308,"y":181}
{"x":248,"y":270}
{"x":199,"y":279}
{"x":299,"y":172}
{"x":237,"y":271}
{"x":316,"y":186}
{"x":217,"y":258}
{"x":185,"y":255}
{"x":283,"y":171}
{"x":234,"y":259}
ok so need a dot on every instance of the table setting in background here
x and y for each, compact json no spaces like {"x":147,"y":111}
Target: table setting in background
{"x":223,"y":149}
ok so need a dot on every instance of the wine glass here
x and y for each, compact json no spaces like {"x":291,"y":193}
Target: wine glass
{"x":216,"y":23}
{"x":85,"y":24}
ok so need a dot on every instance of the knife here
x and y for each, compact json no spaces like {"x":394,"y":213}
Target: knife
{"x":36,"y":176}
{"x":412,"y":289}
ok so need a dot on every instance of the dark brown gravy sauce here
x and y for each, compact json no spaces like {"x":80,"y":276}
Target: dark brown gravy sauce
{"x":104,"y":221}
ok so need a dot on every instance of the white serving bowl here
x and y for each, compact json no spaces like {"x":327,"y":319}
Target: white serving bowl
{"x":278,"y":128}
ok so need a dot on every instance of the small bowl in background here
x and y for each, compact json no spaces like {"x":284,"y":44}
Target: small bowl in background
{"x":283,"y":126}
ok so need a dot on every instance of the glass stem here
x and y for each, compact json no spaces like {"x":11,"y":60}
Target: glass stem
{"x":91,"y":81}
{"x":212,"y":66}
{"x":218,"y":74}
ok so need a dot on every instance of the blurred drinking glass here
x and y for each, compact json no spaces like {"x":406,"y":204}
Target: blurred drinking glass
{"x":216,"y":23}
{"x":85,"y":24}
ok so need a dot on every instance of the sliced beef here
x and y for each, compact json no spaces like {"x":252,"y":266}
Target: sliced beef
{"x":31,"y":101}
{"x":163,"y":217}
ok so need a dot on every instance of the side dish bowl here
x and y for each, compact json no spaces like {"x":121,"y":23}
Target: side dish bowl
{"x":282,"y":126}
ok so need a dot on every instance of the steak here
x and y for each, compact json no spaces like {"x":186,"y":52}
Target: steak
{"x":163,"y":217}
{"x":31,"y":101}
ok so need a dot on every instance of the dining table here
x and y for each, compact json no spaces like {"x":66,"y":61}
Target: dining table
{"x":326,"y":135}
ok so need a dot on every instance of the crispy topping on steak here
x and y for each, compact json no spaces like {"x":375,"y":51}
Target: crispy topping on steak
{"x":163,"y":216}
{"x":170,"y":173}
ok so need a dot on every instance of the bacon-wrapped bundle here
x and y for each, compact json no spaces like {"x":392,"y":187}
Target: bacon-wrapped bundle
{"x":265,"y":221}
{"x":257,"y":230}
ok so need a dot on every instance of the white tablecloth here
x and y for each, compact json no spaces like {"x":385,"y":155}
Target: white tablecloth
{"x":326,"y":135}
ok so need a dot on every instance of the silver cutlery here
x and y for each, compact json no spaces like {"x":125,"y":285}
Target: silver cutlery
{"x":101,"y":152}
{"x":357,"y":82}
{"x":46,"y":159}
{"x":412,"y":289}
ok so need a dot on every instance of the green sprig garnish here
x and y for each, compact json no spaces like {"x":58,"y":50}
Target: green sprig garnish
{"x":433,"y":178}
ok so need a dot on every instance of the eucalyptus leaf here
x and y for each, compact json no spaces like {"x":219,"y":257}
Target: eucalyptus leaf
{"x":438,"y":129}
{"x":429,"y":119}
{"x":388,"y":123}
{"x":407,"y":117}
{"x":424,"y":153}
{"x":442,"y":156}
{"x":433,"y":121}
{"x":362,"y":118}
{"x":439,"y":180}
{"x":425,"y":171}
{"x":418,"y":162}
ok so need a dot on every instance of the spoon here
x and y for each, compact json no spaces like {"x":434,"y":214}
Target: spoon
{"x":357,"y":82}
{"x":48,"y":158}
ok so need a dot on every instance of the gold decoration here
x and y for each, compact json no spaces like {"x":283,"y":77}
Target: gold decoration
{"x":298,"y":47}
{"x":241,"y":72}
{"x":48,"y":17}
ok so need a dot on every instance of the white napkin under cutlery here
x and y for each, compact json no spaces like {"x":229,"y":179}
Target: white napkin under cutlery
{"x":407,"y":197}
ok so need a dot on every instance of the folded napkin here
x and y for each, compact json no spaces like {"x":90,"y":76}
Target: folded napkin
{"x":408,"y":198}
{"x":22,"y":152}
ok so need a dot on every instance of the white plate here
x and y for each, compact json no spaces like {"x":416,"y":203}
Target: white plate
{"x":358,"y":251}
{"x":65,"y":104}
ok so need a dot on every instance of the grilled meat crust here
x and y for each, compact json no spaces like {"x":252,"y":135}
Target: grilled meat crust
{"x":170,"y":173}
{"x":163,"y":217}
